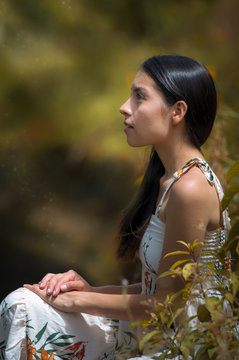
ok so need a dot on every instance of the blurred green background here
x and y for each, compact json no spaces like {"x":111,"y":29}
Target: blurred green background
{"x":65,"y":168}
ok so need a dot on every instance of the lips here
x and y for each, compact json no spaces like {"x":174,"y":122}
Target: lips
{"x":128,"y":125}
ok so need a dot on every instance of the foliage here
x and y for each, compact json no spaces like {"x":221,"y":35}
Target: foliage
{"x":202,"y":320}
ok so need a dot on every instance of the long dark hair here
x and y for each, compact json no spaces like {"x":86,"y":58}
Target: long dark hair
{"x":178,"y":78}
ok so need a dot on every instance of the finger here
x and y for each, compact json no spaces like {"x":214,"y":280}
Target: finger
{"x":61,"y":281}
{"x":34,"y":288}
{"x":73,"y":285}
{"x":41,"y":293}
{"x":45,"y":280}
{"x":51,"y":285}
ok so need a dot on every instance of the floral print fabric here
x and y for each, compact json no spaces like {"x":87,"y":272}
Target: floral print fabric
{"x":31,"y":329}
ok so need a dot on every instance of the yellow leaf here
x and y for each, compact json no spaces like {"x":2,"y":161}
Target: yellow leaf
{"x":177,"y":263}
{"x":229,"y":194}
{"x":139,"y":180}
{"x":146,"y":339}
{"x":188,"y":270}
{"x":183,"y":243}
{"x":233,"y":171}
{"x":166,"y":273}
{"x":196,"y":244}
{"x":177,"y":253}
{"x":133,"y":324}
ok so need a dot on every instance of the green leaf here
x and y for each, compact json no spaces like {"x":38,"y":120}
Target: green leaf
{"x":214,"y":306}
{"x":177,"y":253}
{"x":231,"y":246}
{"x":61,"y":343}
{"x":212,"y":352}
{"x":146,"y":339}
{"x":203,"y":313}
{"x":230,"y":192}
{"x":234,"y":169}
{"x":30,"y":327}
{"x":229,"y":297}
{"x":65,"y":337}
{"x":52,"y":336}
{"x":234,"y":231}
{"x":202,"y":353}
{"x":223,"y":272}
{"x":40,"y":333}
{"x":175,"y":295}
{"x":185,"y":348}
{"x":235,"y":283}
{"x":133,"y":324}
{"x":178,"y":312}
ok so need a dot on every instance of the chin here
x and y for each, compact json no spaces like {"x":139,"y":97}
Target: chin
{"x":134,"y":145}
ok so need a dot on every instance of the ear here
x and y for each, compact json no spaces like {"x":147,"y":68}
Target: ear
{"x":179,"y":110}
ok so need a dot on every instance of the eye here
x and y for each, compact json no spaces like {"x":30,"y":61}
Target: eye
{"x":139,"y":96}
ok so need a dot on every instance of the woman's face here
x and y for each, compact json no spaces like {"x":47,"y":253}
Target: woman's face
{"x":147,"y":116}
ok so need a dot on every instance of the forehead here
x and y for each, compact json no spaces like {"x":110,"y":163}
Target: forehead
{"x":143,"y":81}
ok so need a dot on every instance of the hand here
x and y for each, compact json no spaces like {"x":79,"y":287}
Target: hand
{"x":65,"y":302}
{"x":68,"y":281}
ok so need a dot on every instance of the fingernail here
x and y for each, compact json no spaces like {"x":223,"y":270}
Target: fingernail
{"x":63,"y":287}
{"x":54,"y":292}
{"x":48,"y":291}
{"x":41,"y":285}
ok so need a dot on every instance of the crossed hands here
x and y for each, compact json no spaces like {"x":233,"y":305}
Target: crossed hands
{"x":61,"y":290}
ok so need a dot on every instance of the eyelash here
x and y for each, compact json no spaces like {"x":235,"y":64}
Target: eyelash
{"x":139,"y":96}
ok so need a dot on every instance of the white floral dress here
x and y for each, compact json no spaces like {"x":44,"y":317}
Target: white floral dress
{"x":32,"y":329}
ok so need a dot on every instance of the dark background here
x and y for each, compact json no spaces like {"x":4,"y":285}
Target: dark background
{"x":65,"y":168}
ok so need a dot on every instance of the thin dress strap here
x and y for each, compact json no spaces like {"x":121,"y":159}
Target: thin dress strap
{"x":163,"y":196}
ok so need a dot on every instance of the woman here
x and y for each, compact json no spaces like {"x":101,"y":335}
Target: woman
{"x":172,"y":107}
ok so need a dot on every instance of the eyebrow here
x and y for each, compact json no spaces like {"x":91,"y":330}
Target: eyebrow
{"x":138,"y":88}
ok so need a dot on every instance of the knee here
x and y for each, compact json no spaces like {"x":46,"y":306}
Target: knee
{"x":16,"y":303}
{"x":15,"y":297}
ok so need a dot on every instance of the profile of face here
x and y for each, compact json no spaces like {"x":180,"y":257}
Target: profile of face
{"x":148,"y":118}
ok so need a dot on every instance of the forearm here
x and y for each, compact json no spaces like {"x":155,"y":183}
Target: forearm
{"x":120,"y":289}
{"x":117,"y":306}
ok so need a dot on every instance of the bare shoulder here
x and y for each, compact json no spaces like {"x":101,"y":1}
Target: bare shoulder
{"x":192,"y":198}
{"x":193,"y":186}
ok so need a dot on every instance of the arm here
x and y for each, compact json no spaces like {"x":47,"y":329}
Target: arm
{"x":118,"y":306}
{"x":192,"y":205}
{"x":71,"y":280}
{"x":114,"y":289}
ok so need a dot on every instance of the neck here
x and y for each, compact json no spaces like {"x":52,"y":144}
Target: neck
{"x":174,"y":157}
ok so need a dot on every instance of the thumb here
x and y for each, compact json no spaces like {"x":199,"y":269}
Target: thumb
{"x":72,"y":285}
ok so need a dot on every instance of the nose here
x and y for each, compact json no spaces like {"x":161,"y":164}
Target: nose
{"x":125,"y":109}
